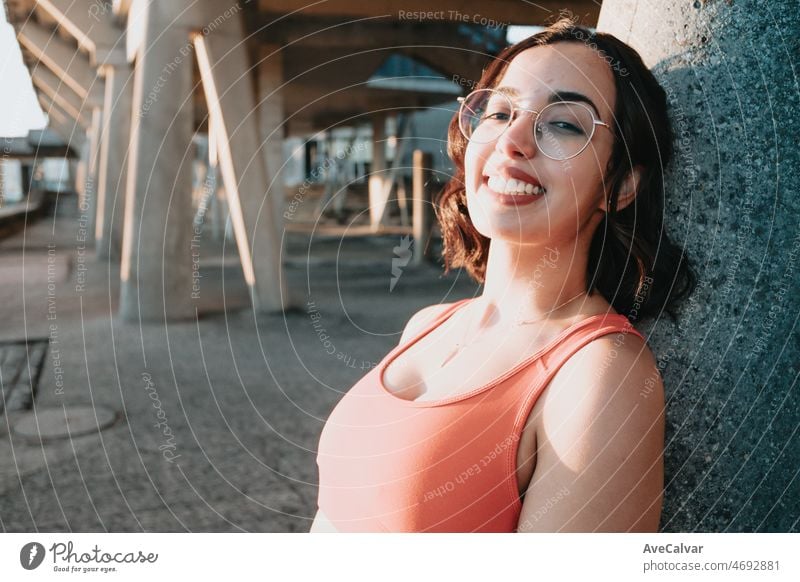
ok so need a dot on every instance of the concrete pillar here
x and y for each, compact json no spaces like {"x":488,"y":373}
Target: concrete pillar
{"x":228,"y":86}
{"x":271,"y":123}
{"x":81,"y":167}
{"x":377,"y":199}
{"x":730,"y":367}
{"x":422,"y":206}
{"x":73,"y":172}
{"x":156,"y":265}
{"x":402,"y":125}
{"x":86,"y":176}
{"x":113,"y":157}
{"x":88,"y":199}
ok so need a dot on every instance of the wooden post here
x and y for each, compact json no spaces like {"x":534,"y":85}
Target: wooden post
{"x":423,"y":205}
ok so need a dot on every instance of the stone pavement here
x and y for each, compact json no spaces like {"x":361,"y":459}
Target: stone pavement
{"x":214,"y":422}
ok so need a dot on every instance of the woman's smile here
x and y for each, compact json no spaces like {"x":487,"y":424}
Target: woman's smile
{"x":511,"y":192}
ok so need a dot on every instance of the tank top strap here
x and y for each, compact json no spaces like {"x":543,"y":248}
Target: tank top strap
{"x":582,"y":333}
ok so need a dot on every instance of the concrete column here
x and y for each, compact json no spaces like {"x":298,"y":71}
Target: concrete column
{"x":113,"y":157}
{"x":81,"y":168}
{"x":228,"y":86}
{"x":377,"y":199}
{"x":730,"y":367}
{"x":156,"y":265}
{"x":86,"y":175}
{"x":402,"y":126}
{"x":423,"y":205}
{"x":271,"y":123}
{"x":88,"y":200}
{"x":73,"y":172}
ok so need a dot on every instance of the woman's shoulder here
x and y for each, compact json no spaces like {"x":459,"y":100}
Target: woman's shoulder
{"x":628,"y":353}
{"x":616,"y":372}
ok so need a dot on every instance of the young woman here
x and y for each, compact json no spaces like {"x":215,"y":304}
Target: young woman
{"x":535,"y":406}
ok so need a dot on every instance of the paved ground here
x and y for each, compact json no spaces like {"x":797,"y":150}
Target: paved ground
{"x":216,"y":419}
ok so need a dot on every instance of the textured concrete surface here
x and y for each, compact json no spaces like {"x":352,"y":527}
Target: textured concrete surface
{"x":732,"y":364}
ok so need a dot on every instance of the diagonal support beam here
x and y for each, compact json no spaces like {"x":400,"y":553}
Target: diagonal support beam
{"x":62,"y":95}
{"x":63,"y":59}
{"x":63,"y":124}
{"x":223,"y":60}
{"x":91,"y":25}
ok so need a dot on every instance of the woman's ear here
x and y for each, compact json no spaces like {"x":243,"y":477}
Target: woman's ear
{"x":628,"y":189}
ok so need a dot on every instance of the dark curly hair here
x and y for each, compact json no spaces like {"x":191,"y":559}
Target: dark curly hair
{"x":632,"y":261}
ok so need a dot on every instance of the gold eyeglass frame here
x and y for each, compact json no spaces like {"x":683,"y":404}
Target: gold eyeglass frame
{"x":515,"y":109}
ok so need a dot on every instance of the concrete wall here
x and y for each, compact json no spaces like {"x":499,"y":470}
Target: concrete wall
{"x":731,"y":368}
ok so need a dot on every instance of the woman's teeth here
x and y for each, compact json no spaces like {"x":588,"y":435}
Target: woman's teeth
{"x":513,"y":186}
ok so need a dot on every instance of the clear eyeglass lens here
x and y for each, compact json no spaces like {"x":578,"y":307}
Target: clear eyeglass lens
{"x":561,"y":130}
{"x":485,"y":115}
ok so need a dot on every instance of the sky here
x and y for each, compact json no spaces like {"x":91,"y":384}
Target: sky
{"x":19,"y":108}
{"x":517,"y":33}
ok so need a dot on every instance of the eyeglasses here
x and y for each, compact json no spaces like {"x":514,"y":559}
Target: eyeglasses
{"x":561,"y":130}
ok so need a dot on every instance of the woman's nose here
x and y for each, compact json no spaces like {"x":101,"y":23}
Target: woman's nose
{"x":517,"y":140}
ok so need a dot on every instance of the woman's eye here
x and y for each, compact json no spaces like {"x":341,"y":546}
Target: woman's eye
{"x":496,"y":115}
{"x":566,"y":126}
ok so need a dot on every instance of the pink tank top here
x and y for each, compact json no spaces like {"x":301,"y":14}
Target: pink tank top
{"x":391,"y":464}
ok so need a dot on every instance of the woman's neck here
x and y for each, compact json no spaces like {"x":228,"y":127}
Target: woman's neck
{"x":526,"y":282}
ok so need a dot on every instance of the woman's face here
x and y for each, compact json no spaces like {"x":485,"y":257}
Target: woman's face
{"x":573,"y":199}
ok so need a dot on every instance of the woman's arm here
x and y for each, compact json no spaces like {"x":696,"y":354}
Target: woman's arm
{"x":600,"y":439}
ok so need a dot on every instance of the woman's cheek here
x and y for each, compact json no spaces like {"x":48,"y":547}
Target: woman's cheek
{"x":473,"y":167}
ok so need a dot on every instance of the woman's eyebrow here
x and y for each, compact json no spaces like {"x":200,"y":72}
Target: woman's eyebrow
{"x":557,"y":96}
{"x":510,"y":91}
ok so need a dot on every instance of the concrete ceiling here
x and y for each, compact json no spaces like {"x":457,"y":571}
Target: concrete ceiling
{"x":330,"y":49}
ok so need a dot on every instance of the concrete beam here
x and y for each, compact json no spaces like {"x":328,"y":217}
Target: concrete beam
{"x":91,"y":25}
{"x":63,"y":124}
{"x":227,"y":82}
{"x":365,"y":34}
{"x":202,"y":16}
{"x":63,"y":59}
{"x":62,"y":95}
{"x":452,"y":62}
{"x":456,"y":11}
